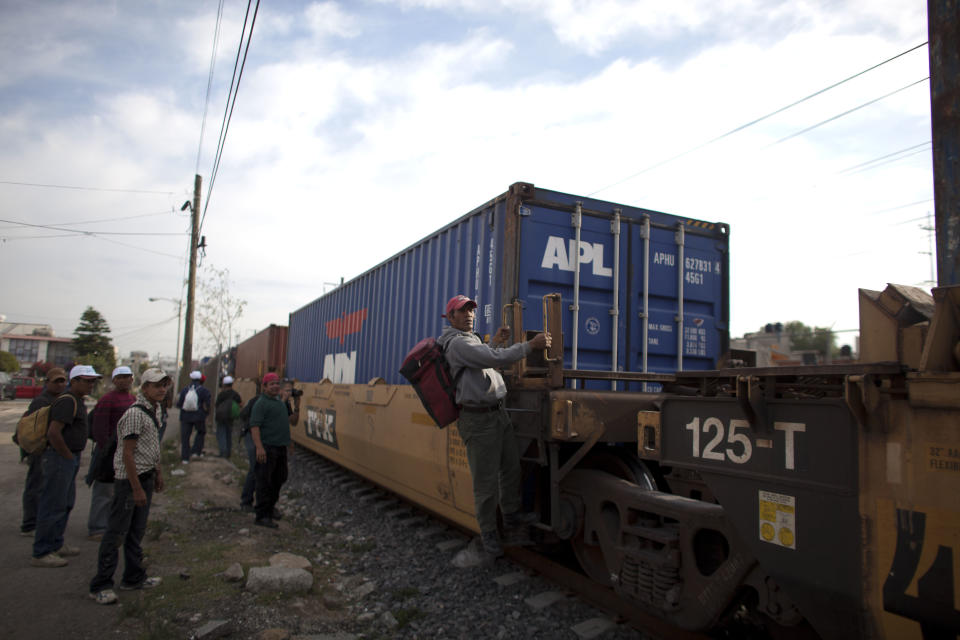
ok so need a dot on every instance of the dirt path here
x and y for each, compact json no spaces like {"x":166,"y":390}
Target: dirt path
{"x":195,"y":532}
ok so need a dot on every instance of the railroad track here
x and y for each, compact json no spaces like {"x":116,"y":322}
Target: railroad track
{"x":533,"y":587}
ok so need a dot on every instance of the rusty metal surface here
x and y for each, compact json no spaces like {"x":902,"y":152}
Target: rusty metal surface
{"x":944,"y":37}
{"x":263,"y":352}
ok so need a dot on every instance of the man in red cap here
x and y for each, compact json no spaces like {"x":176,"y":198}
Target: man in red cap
{"x":270,"y":422}
{"x":484,"y":425}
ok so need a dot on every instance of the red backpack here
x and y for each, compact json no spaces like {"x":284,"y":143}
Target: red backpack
{"x":427,"y":370}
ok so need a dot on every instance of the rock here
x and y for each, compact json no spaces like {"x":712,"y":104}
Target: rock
{"x":178,"y":472}
{"x":472,"y":556}
{"x":243,"y":532}
{"x":274,"y":634}
{"x":363,"y":590}
{"x":234,"y":572}
{"x":510,"y":579}
{"x":388,"y":620}
{"x":195,"y":617}
{"x":185,"y":574}
{"x":284,"y":559}
{"x":339,"y":524}
{"x":593,"y":628}
{"x":543,"y":600}
{"x":333,"y":600}
{"x":213,"y":629}
{"x":366,"y":617}
{"x":198,"y":506}
{"x":283,"y":579}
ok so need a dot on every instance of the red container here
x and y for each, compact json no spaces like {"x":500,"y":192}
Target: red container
{"x":263,"y":352}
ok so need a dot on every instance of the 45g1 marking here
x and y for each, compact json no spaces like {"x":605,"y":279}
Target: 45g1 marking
{"x":710,"y":449}
{"x":741,"y":446}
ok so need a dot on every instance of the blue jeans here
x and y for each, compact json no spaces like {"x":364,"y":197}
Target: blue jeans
{"x":185,"y":429}
{"x":224,"y":430}
{"x":128,"y":523}
{"x":57,"y":496}
{"x":250,"y":483}
{"x":31,"y":492}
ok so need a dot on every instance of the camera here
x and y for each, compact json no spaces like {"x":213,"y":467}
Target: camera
{"x":296,"y":393}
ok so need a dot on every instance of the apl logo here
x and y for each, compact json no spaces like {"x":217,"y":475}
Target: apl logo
{"x":346,"y":325}
{"x":561,"y":252}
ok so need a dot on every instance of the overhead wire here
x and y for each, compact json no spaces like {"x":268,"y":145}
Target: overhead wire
{"x":64,"y":186}
{"x":756,"y":120}
{"x":87,"y":232}
{"x":877,"y":164}
{"x":845,"y":113}
{"x":884,"y":157}
{"x":231,"y":101}
{"x":213,"y":62}
{"x":99,"y":220}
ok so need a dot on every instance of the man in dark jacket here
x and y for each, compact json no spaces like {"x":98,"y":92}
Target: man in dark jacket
{"x":54,"y":386}
{"x":60,"y":461}
{"x":193,"y":418}
{"x":224,"y":415}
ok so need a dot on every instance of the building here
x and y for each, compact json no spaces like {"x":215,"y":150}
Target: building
{"x":32,"y":343}
{"x":771,"y":344}
{"x":136,"y":359}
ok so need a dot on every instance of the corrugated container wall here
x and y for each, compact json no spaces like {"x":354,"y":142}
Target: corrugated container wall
{"x":264,"y":351}
{"x":653,"y":290}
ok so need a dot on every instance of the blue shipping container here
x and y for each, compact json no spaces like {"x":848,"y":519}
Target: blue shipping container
{"x":652,"y":293}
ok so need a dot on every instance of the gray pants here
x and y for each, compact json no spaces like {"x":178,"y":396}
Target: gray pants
{"x":101,"y":495}
{"x":494,"y":464}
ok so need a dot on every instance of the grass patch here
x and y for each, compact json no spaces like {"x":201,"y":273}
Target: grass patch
{"x":363,"y":547}
{"x":403,"y":594}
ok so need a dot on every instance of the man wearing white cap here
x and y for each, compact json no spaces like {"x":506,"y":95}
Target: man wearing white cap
{"x":228,"y":408}
{"x":106,"y":415}
{"x":66,"y":438}
{"x":194,"y":403}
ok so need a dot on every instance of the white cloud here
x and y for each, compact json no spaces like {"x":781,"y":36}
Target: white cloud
{"x":328,"y":19}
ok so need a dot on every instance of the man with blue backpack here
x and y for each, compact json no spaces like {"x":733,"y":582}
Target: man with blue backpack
{"x":194,"y":403}
{"x":484,"y":425}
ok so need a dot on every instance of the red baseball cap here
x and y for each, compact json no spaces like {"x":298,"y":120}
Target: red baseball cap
{"x":458,"y":301}
{"x":270,"y":377}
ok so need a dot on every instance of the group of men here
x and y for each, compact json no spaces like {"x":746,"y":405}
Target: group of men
{"x":128,"y":423}
{"x":119,"y":510}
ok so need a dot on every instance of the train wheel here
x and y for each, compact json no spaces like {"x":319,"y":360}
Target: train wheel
{"x":625,"y":466}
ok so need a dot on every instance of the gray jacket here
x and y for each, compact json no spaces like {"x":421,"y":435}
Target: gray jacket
{"x":480,"y":385}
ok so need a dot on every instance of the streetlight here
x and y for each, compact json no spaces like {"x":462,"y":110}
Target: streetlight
{"x":179,"y":309}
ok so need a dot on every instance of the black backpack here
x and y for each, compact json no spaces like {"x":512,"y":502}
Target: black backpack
{"x":244,"y":417}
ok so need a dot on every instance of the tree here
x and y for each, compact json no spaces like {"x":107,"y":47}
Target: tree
{"x":804,"y":338}
{"x":92,"y":342}
{"x":217,"y":310}
{"x":9,"y":362}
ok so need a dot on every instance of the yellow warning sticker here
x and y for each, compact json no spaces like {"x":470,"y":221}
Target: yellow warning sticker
{"x":778,"y":519}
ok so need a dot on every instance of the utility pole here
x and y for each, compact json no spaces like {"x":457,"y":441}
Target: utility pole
{"x":191,"y":286}
{"x":943,"y":24}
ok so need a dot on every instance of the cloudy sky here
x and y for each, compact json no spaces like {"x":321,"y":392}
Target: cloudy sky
{"x":361,"y":126}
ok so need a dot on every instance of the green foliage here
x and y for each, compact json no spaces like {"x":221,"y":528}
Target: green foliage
{"x":9,"y":362}
{"x":804,"y":338}
{"x":92,"y":342}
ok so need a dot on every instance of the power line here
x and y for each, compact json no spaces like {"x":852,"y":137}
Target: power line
{"x":142,"y":215}
{"x":845,"y":113}
{"x":884,"y":157}
{"x":213,"y":62}
{"x":897,"y":208}
{"x":877,"y":164}
{"x":63,"y":186}
{"x":88,"y":233}
{"x":756,"y":120}
{"x":231,"y":102}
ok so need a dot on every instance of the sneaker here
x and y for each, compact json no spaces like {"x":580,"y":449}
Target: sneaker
{"x":49,"y":561}
{"x":491,"y":544}
{"x":27,"y":534}
{"x":246,"y":508}
{"x":107,"y":596}
{"x":148,"y":583}
{"x":518,"y":536}
{"x":519,"y":518}
{"x":67,"y":550}
{"x":184,"y":462}
{"x":266,"y":522}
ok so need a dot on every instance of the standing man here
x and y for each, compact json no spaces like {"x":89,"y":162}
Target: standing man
{"x":270,"y":422}
{"x":193,"y":416}
{"x":484,"y":425}
{"x":54,"y":386}
{"x":106,"y":415}
{"x":137,"y":465}
{"x":66,"y":439}
{"x":225,"y":415}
